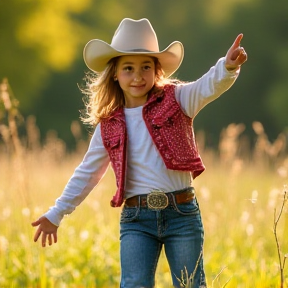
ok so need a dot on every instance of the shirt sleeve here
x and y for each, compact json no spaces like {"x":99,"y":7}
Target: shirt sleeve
{"x":85,"y":177}
{"x":193,"y":96}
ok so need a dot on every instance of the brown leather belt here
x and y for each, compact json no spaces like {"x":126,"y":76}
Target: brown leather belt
{"x":159,"y":200}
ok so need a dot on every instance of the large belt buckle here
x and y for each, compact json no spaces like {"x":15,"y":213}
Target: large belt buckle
{"x":157,"y":200}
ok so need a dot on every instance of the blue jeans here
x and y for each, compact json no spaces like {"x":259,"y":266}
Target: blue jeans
{"x":143,"y":232}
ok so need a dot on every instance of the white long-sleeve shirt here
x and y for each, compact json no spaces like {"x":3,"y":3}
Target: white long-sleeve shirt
{"x":145,"y":168}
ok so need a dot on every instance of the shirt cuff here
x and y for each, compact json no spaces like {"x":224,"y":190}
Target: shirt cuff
{"x":231,"y":70}
{"x":53,"y":217}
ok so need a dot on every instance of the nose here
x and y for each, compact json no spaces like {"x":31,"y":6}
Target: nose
{"x":137,"y":76}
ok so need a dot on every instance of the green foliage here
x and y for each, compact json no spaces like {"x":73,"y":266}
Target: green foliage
{"x":41,"y":54}
{"x":37,"y":38}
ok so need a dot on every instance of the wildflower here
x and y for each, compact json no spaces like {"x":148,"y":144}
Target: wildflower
{"x":84,"y":235}
{"x":26,"y":212}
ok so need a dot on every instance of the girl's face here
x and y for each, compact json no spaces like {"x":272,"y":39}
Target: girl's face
{"x":136,"y":77}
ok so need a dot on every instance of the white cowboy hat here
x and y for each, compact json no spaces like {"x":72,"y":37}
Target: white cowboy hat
{"x":133,"y":37}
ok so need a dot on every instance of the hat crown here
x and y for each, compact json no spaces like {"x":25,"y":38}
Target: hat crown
{"x":135,"y":35}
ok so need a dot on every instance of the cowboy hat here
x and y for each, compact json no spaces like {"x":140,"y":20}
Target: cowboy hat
{"x":133,"y":37}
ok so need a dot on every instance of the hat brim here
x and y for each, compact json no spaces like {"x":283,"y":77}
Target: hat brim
{"x":97,"y":54}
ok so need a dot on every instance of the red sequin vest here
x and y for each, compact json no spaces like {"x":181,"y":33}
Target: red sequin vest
{"x":171,"y":131}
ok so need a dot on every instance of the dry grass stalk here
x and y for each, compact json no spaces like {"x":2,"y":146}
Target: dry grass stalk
{"x":265,"y":152}
{"x":10,"y":106}
{"x":218,"y":276}
{"x":281,"y":260}
{"x":187,"y":281}
{"x":9,"y":132}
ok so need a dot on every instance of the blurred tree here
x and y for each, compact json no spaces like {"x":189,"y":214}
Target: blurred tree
{"x":52,"y":31}
{"x":37,"y":38}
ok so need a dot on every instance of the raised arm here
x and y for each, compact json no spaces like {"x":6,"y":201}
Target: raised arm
{"x":195,"y":95}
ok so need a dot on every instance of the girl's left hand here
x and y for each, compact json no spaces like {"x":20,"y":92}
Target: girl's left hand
{"x":236,"y":55}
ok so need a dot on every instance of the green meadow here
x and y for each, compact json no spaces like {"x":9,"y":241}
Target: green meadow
{"x":238,"y":199}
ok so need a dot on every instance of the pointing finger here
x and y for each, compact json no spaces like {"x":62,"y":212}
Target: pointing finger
{"x":237,"y":41}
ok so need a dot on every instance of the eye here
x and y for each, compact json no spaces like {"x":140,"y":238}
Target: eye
{"x":146,"y":67}
{"x":128,"y":68}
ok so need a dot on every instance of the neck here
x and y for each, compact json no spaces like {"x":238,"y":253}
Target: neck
{"x":135,"y":102}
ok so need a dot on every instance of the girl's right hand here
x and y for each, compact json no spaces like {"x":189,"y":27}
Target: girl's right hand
{"x":236,"y":55}
{"x":47,"y":229}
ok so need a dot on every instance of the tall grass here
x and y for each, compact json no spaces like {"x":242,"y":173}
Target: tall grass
{"x":238,"y":195}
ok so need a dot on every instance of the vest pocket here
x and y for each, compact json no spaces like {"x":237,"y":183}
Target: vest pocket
{"x":114,"y":142}
{"x":165,"y":120}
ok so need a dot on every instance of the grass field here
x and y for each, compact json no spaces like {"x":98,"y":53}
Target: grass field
{"x":238,"y":195}
{"x":237,"y":204}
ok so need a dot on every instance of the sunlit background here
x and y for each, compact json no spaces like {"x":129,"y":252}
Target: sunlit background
{"x":242,"y":138}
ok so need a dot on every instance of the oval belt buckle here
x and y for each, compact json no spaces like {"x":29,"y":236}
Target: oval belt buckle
{"x":157,"y":200}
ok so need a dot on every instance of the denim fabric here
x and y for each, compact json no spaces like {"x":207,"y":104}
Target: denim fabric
{"x":143,"y":232}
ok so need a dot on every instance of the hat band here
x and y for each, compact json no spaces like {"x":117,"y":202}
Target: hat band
{"x":140,"y":50}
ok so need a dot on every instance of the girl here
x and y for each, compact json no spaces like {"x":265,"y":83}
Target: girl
{"x":144,"y":129}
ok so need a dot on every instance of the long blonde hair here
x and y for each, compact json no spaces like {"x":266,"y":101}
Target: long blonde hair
{"x":103,"y":94}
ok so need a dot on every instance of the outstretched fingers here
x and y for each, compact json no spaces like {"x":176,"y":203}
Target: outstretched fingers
{"x":55,"y":237}
{"x":48,"y":238}
{"x":47,"y":231}
{"x":44,"y":237}
{"x":37,"y":234}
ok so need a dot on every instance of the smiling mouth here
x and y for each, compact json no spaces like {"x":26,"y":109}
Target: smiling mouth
{"x":138,"y":86}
